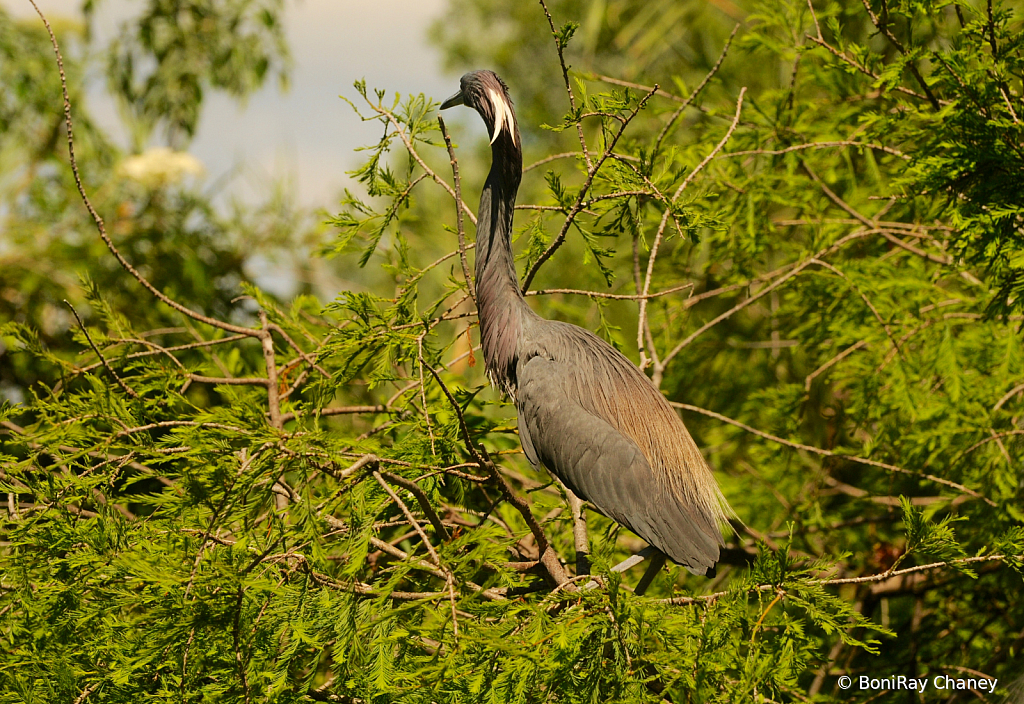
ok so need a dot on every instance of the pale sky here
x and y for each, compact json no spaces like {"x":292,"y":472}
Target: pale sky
{"x":307,"y":132}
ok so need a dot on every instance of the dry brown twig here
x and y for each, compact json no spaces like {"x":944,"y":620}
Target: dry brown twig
{"x":592,"y":170}
{"x":263,"y":333}
{"x":98,"y":221}
{"x":103,"y":360}
{"x":815,"y":145}
{"x":696,"y":91}
{"x":613,"y":296}
{"x":458,"y":211}
{"x":568,"y":88}
{"x":397,"y":126}
{"x":642,"y":321}
{"x":867,"y":579}
{"x":829,"y":453}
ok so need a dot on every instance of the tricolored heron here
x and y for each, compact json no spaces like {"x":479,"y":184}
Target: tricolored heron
{"x":586,"y":412}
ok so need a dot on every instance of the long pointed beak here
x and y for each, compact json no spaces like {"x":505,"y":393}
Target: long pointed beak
{"x":453,"y":101}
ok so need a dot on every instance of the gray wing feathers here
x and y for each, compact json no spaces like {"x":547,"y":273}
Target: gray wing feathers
{"x":604,"y":466}
{"x":527,"y":441}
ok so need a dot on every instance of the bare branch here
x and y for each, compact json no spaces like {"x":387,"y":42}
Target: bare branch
{"x":696,"y":91}
{"x":829,"y":453}
{"x":739,"y":306}
{"x":423,"y":501}
{"x":458,"y":210}
{"x":993,"y":436}
{"x":705,"y":598}
{"x":408,"y":515}
{"x":835,"y":360}
{"x":884,"y":29}
{"x":816,"y":145}
{"x":580,"y":199}
{"x":341,"y":410}
{"x":871,"y":223}
{"x":867,"y":302}
{"x":120,"y":382}
{"x":1009,"y":394}
{"x":419,"y":160}
{"x":718,"y":147}
{"x":273,"y":392}
{"x":642,"y":321}
{"x":613,"y":296}
{"x":100,"y":226}
{"x":568,"y":87}
{"x":866,"y":71}
{"x":177,"y":424}
{"x":368,"y":460}
{"x":817,"y":27}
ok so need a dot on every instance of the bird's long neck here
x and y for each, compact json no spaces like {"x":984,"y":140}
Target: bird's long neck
{"x":502,"y":309}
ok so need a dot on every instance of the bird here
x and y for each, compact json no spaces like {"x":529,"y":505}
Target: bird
{"x":585,"y":411}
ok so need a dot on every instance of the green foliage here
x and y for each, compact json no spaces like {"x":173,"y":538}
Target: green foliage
{"x":165,"y":59}
{"x":249,"y":500}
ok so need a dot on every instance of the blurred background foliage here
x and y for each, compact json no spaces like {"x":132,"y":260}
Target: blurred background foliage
{"x":199,"y":527}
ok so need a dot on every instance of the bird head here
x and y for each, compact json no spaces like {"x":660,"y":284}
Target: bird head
{"x":488,"y":95}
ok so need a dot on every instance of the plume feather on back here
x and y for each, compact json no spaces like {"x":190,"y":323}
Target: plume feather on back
{"x":611,"y":387}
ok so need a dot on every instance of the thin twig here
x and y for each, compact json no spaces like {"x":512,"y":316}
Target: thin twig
{"x":273,"y":392}
{"x":613,"y":296}
{"x":580,"y":199}
{"x":866,"y":71}
{"x":993,"y":436}
{"x":342,"y":410}
{"x":368,"y":460}
{"x":157,"y":349}
{"x":919,"y":568}
{"x":860,"y":217}
{"x":867,"y":301}
{"x":817,"y":27}
{"x":380,"y":109}
{"x":458,"y":211}
{"x":408,"y":515}
{"x":100,"y":226}
{"x":1009,"y":394}
{"x":88,"y":690}
{"x":423,"y":501}
{"x":120,"y":382}
{"x":884,"y":29}
{"x":639,"y":86}
{"x":568,"y":87}
{"x":642,"y":320}
{"x":696,"y":91}
{"x":881,"y":577}
{"x":816,"y":145}
{"x":718,"y":147}
{"x":835,"y":360}
{"x":829,"y":453}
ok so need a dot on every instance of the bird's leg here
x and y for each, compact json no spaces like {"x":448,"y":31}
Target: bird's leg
{"x":657,"y":562}
{"x":579,"y":534}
